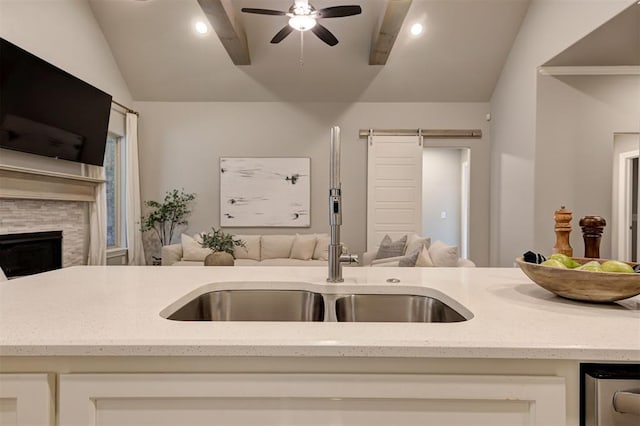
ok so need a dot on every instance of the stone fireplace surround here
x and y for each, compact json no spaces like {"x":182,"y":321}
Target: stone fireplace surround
{"x":34,"y":200}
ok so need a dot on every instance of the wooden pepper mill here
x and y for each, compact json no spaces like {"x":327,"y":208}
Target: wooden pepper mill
{"x":563,"y":229}
{"x":592,"y":227}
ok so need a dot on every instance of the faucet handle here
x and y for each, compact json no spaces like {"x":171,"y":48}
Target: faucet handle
{"x":349,"y":258}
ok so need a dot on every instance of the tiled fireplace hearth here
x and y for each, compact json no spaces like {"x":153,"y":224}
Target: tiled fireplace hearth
{"x":37,"y":201}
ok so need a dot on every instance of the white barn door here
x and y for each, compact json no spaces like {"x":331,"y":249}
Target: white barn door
{"x":394,"y":187}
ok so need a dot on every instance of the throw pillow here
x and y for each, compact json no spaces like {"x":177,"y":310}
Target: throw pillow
{"x":415,"y":243}
{"x":276,"y":246}
{"x":251,"y":250}
{"x":303,"y":247}
{"x":321,"y":251}
{"x":443,"y":254}
{"x":424,"y":258}
{"x":410,"y":259}
{"x":390,"y":248}
{"x":191,"y":248}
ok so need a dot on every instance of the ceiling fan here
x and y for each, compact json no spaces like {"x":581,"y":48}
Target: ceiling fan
{"x":303,"y":16}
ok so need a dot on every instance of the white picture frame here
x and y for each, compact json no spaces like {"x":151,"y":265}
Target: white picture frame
{"x":265,"y":191}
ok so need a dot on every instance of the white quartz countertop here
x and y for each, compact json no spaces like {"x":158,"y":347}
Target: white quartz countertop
{"x":86,"y":311}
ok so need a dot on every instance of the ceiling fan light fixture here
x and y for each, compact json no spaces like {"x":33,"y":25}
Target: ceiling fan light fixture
{"x":302,"y":22}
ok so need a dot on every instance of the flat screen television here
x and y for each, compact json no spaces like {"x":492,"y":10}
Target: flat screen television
{"x":47,"y":111}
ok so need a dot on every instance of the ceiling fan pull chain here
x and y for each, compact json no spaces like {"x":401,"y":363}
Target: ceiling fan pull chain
{"x":301,"y":49}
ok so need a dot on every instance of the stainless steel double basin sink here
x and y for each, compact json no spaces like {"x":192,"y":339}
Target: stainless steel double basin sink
{"x":305,"y":305}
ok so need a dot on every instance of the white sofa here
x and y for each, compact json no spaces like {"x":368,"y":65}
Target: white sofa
{"x":259,"y":250}
{"x":414,"y":251}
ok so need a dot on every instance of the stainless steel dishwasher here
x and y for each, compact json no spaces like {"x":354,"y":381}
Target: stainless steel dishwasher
{"x":609,"y":394}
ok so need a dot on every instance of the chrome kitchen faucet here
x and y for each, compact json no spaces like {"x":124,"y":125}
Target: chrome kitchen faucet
{"x":336,"y":257}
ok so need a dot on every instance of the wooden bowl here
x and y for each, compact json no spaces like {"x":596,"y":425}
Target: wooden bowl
{"x":583,"y":285}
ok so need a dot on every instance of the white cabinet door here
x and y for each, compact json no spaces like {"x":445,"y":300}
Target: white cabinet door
{"x":26,"y":399}
{"x":309,"y":399}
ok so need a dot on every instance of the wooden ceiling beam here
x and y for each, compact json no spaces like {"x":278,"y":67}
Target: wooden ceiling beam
{"x":228,"y":29}
{"x":390,"y":27}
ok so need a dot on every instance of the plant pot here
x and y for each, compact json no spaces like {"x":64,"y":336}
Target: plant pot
{"x":219,"y":258}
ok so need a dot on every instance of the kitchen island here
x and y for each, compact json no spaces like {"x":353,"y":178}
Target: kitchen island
{"x":99,"y":333}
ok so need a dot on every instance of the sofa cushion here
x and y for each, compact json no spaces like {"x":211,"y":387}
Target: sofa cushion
{"x":171,"y":254}
{"x":192,"y":249}
{"x":276,"y":246}
{"x":292,"y":262}
{"x":443,"y":254}
{"x":303,"y":246}
{"x":251,"y":250}
{"x":387,"y":262}
{"x":188,"y":263}
{"x":246,"y":262}
{"x":379,"y":262}
{"x":390,"y":248}
{"x":465,"y":263}
{"x":321,"y":251}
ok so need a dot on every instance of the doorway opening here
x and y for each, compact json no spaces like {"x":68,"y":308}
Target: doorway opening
{"x":626,"y":152}
{"x":445,"y":195}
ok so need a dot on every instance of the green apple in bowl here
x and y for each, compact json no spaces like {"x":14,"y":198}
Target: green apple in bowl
{"x":554,"y":263}
{"x":617,"y":266}
{"x":565,"y":260}
{"x":593,"y":266}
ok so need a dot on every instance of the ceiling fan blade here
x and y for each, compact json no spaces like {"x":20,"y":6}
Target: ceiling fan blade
{"x":324,"y":35}
{"x":339,"y":11}
{"x":285,"y":31}
{"x":263,"y":11}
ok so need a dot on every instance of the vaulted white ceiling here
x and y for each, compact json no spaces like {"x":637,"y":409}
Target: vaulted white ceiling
{"x":458,"y":58}
{"x":615,"y":43}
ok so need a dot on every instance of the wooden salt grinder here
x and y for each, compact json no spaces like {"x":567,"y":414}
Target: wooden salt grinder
{"x":592,"y":227}
{"x":562,"y":229}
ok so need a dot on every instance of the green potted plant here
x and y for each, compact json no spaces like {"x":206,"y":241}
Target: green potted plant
{"x":221,"y":244}
{"x":167,"y":215}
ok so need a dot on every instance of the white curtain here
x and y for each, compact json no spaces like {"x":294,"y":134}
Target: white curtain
{"x":98,"y":219}
{"x":133,"y":211}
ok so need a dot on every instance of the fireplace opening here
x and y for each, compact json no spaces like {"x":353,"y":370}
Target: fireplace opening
{"x":30,"y":253}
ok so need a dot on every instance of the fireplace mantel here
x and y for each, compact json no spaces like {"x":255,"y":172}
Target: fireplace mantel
{"x":24,"y":183}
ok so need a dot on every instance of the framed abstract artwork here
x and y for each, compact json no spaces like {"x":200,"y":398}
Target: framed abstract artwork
{"x":265,"y":191}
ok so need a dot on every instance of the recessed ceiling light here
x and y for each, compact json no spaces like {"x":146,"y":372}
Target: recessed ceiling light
{"x":201,"y":27}
{"x":416,"y":29}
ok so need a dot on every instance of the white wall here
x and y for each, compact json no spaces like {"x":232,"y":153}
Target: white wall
{"x":66,"y":34}
{"x":181,"y":144}
{"x":577,"y":119}
{"x":549,"y":27}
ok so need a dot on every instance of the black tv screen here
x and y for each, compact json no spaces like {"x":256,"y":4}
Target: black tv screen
{"x":47,"y":111}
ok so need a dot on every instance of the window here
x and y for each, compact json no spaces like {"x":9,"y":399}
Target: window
{"x":114,"y":174}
